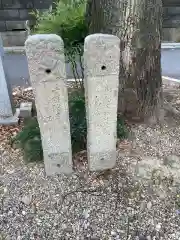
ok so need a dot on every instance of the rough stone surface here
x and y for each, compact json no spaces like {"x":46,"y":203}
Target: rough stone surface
{"x":101,"y":59}
{"x":46,"y":62}
{"x":11,"y":120}
{"x":151,"y":168}
{"x":27,"y":199}
{"x":25,"y":109}
{"x":5,"y":101}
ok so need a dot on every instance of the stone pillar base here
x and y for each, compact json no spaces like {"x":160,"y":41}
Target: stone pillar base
{"x":12,"y":120}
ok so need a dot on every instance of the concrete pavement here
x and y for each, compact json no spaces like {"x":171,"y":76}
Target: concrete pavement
{"x":170,"y":62}
{"x":16,"y":68}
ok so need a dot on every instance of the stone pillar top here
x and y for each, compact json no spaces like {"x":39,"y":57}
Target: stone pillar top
{"x":47,"y":54}
{"x":43,"y":37}
{"x":97,"y":44}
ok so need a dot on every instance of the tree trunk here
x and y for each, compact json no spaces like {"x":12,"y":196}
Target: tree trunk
{"x":103,"y":16}
{"x":138,"y":24}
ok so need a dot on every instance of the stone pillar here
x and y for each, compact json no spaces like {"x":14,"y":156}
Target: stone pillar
{"x":46,"y":61}
{"x":6,"y":110}
{"x":101,"y":60}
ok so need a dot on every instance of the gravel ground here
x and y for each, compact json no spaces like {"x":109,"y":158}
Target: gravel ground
{"x":138,"y":200}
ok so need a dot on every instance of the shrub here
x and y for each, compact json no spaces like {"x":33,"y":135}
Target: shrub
{"x":77,"y":116}
{"x":122,"y":131}
{"x":67,"y":21}
{"x":29,"y":139}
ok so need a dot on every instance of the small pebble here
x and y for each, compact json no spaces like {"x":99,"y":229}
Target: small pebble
{"x":149,"y":205}
{"x":158,"y":227}
{"x":86,"y":214}
{"x":23,"y":213}
{"x":26,"y":199}
{"x":113,"y":233}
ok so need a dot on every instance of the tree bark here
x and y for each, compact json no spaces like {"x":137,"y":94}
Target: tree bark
{"x":138,"y":24}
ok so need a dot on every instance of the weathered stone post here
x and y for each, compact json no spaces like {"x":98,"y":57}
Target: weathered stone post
{"x":101,"y":61}
{"x":6,"y":110}
{"x":46,"y":62}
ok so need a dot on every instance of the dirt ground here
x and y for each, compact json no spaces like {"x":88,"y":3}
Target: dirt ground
{"x":137,"y":200}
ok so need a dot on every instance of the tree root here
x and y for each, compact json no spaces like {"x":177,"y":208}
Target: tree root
{"x":170,"y":109}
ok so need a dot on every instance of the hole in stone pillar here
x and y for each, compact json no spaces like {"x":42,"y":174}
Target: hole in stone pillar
{"x":18,"y":30}
{"x":58,"y":165}
{"x":48,"y":71}
{"x":103,"y":67}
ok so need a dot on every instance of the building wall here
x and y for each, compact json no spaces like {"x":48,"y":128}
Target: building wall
{"x":171,"y":21}
{"x":14,"y":13}
{"x":171,"y":14}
